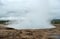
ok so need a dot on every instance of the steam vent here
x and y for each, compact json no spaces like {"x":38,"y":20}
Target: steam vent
{"x":10,"y":33}
{"x":29,"y":19}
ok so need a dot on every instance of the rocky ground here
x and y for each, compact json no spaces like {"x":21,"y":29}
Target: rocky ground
{"x":10,"y":33}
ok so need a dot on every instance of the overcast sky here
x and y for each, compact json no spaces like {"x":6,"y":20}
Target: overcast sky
{"x":55,"y":8}
{"x":53,"y":4}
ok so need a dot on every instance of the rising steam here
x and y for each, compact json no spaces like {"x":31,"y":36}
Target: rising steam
{"x":26,"y":14}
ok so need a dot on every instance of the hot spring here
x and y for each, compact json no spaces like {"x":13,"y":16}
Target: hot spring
{"x":26,"y":14}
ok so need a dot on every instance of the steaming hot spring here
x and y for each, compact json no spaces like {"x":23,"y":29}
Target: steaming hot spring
{"x":26,"y":14}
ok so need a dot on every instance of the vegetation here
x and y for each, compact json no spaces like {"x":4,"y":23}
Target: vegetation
{"x":55,"y":21}
{"x":3,"y":21}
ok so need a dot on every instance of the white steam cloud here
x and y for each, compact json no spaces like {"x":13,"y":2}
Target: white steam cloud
{"x":26,"y":14}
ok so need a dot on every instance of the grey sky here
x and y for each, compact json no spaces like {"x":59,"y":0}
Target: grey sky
{"x":55,"y":8}
{"x":53,"y":4}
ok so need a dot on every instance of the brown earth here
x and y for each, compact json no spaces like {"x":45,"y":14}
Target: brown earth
{"x":10,"y":33}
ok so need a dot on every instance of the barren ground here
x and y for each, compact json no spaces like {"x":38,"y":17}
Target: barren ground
{"x":9,"y":33}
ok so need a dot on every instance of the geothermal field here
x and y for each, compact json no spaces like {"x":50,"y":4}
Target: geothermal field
{"x":10,"y":33}
{"x":29,"y":19}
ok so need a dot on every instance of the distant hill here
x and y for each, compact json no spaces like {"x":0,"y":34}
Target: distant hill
{"x":3,"y":21}
{"x":55,"y":21}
